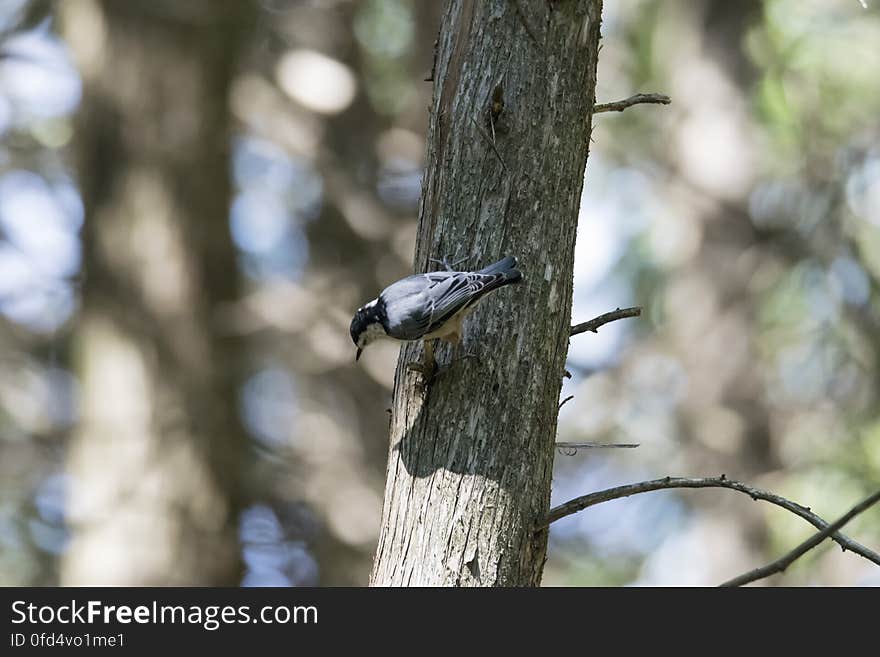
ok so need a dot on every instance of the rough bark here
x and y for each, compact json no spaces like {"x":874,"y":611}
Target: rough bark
{"x":156,"y":459}
{"x":471,"y":455}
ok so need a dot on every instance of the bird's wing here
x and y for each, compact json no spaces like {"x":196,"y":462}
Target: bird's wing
{"x":418,"y":305}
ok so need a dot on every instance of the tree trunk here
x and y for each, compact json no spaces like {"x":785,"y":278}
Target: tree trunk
{"x":156,"y":459}
{"x":471,"y":454}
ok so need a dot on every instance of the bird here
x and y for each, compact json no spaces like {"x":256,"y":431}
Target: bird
{"x":428,"y":307}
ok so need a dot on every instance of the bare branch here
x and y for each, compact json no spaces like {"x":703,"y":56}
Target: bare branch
{"x":585,"y":501}
{"x":570,"y":449}
{"x":594,"y":324}
{"x":638,"y":99}
{"x":565,"y":401}
{"x":491,"y":143}
{"x":786,"y":560}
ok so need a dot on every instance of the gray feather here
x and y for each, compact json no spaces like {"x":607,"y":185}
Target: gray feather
{"x":420,"y":304}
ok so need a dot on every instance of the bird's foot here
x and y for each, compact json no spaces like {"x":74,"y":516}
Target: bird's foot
{"x":432,"y":370}
{"x":468,"y":355}
{"x":449,"y":266}
{"x":428,"y":371}
{"x":460,"y":354}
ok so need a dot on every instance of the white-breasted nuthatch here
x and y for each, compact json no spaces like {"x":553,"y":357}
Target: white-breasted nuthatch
{"x":428,"y":306}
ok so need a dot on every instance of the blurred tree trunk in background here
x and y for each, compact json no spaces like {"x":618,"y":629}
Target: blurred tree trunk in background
{"x":361,"y":239}
{"x":471,"y":460}
{"x":155,"y":463}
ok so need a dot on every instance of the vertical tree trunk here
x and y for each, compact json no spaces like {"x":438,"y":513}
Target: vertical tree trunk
{"x":155,"y":463}
{"x":471,"y":456}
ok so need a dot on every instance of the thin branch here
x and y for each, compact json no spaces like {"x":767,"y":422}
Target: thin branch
{"x":491,"y":143}
{"x":786,"y":560}
{"x":585,"y":501}
{"x":570,"y":449}
{"x":565,"y":401}
{"x":594,"y":324}
{"x":638,"y":99}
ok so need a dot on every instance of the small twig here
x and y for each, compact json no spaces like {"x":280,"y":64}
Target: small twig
{"x":638,"y":99}
{"x":490,"y":142}
{"x":786,"y":560}
{"x":585,"y":501}
{"x":570,"y":449}
{"x":565,"y":401}
{"x":594,"y":324}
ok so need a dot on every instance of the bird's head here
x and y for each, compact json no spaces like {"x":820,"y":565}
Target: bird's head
{"x":366,"y":325}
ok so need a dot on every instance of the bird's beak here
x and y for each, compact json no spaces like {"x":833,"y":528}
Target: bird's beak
{"x":357,"y":357}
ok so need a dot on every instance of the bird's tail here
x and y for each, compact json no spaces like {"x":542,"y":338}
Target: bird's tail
{"x":506,"y":267}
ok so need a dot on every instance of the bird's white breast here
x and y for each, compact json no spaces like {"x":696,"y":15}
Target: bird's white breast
{"x":372,"y":333}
